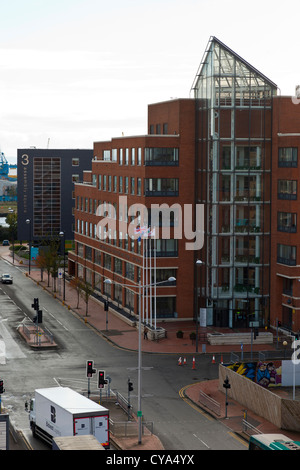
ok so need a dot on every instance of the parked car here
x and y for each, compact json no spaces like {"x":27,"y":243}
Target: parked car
{"x":6,"y":279}
{"x":5,"y":243}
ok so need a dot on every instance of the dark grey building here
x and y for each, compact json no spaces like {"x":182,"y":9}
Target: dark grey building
{"x":46,"y":190}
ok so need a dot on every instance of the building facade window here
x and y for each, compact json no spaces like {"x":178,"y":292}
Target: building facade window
{"x":118,"y":266}
{"x":247,"y":157}
{"x":161,"y":187}
{"x":287,"y":222}
{"x":107,"y":261}
{"x":287,"y":286}
{"x":129,"y":271}
{"x":166,"y":248}
{"x":288,"y":157}
{"x":286,"y":254}
{"x":129,"y":299}
{"x":46,"y":196}
{"x":114,"y":155}
{"x":98,"y":257}
{"x":161,"y":156}
{"x":126,"y":185}
{"x":80,"y":249}
{"x":287,"y":189}
{"x":162,"y":274}
{"x":118,"y":293}
{"x":139,"y":156}
{"x":106,"y":155}
{"x":139,"y":186}
{"x":165,"y":307}
{"x":88,"y":253}
{"x":132,"y":185}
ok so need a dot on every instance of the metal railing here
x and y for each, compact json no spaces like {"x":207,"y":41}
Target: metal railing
{"x":210,"y":403}
{"x":249,"y":429}
{"x":129,"y":428}
{"x":261,"y":355}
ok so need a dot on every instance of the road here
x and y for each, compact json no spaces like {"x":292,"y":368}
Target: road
{"x":176,"y":422}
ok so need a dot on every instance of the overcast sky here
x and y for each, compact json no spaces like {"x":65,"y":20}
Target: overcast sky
{"x":80,"y":71}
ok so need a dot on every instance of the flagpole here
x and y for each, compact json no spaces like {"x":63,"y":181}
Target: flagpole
{"x":154,"y":247}
{"x":143,"y":296}
{"x":150,"y":281}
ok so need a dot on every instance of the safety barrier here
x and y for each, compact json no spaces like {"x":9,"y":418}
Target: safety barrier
{"x":210,"y":403}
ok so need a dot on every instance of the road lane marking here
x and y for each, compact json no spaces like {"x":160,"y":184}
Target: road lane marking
{"x":54,"y":318}
{"x":241,"y":440}
{"x":204,"y":443}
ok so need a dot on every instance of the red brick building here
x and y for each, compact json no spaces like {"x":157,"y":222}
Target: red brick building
{"x":155,"y":169}
{"x":233,"y":149}
{"x":285,"y":249}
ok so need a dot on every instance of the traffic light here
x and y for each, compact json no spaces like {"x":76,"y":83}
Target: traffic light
{"x":106,"y":305}
{"x":226,"y":383}
{"x":130,"y":386}
{"x":1,"y":386}
{"x":90,"y":369}
{"x":35,"y":304}
{"x":256,"y":332}
{"x":39,"y":317}
{"x":101,"y":379}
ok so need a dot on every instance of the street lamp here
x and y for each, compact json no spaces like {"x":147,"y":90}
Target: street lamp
{"x":63,"y":236}
{"x":140,"y":286}
{"x":28,"y":221}
{"x":199,"y":263}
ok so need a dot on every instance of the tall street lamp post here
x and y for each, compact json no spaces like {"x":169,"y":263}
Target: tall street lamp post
{"x":140,"y":288}
{"x":28,"y":221}
{"x":63,"y":236}
{"x":198,"y":264}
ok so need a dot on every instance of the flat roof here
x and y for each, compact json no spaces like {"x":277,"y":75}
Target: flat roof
{"x":70,"y":400}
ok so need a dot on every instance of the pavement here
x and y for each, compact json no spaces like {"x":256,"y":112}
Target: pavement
{"x":123,"y":335}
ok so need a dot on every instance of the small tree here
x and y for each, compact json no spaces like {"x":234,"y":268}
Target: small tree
{"x":12,"y":221}
{"x":50,"y":256}
{"x":41,"y":263}
{"x":54,"y":268}
{"x":86,"y":292}
{"x":77,"y":284}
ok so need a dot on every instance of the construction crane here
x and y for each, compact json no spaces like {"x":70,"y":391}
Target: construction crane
{"x":4,"y":167}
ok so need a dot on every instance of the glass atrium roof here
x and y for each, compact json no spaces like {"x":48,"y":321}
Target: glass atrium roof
{"x":224,"y":77}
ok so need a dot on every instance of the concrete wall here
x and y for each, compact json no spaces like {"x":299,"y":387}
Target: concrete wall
{"x":283,"y":413}
{"x":251,"y":395}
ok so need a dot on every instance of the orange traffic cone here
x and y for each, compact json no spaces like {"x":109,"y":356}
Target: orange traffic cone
{"x":194,"y":365}
{"x":179,"y":361}
{"x":213,"y":360}
{"x":184,"y":361}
